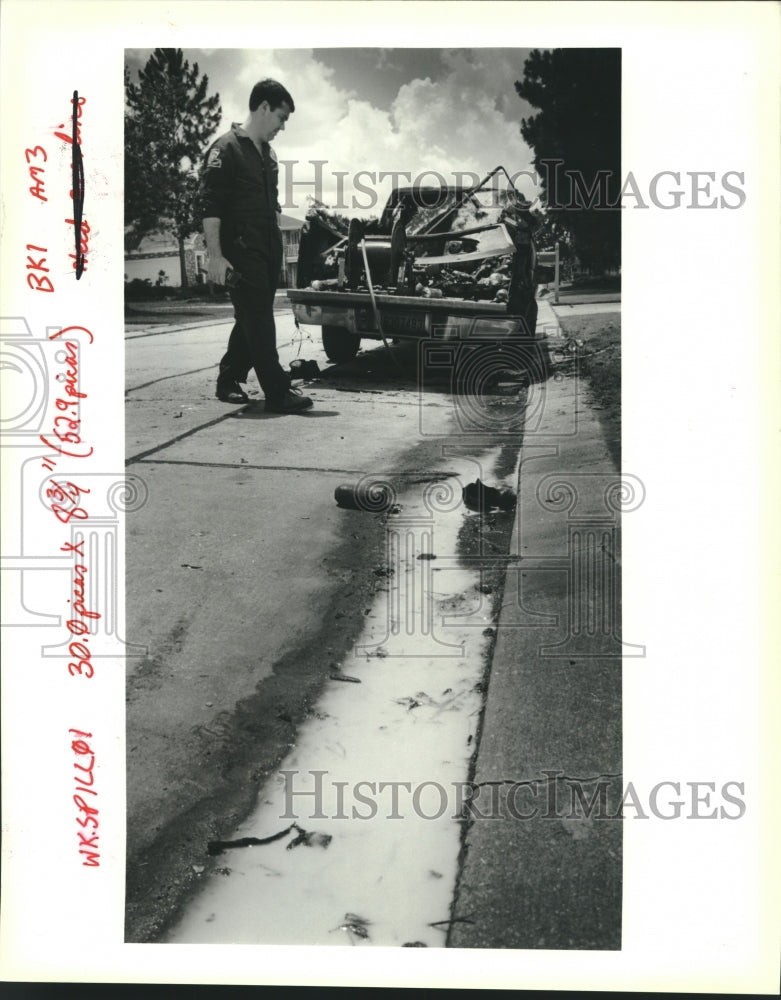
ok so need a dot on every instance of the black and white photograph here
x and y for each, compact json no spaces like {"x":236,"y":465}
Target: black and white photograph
{"x":388,"y":536}
{"x":342,"y":592}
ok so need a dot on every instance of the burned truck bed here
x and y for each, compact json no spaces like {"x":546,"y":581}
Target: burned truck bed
{"x":445,"y":263}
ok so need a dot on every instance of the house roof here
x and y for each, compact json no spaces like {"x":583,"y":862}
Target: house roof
{"x":288,"y":222}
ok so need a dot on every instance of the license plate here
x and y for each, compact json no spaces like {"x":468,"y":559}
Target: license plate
{"x":399,"y":323}
{"x":393,"y":322}
{"x":404,"y":322}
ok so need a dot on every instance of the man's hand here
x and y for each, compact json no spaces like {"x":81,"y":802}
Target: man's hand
{"x":218,"y":265}
{"x":217,"y":268}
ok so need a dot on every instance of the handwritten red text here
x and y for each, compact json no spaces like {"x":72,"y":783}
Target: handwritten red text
{"x":79,"y":624}
{"x":65,"y":437}
{"x":36,"y":171}
{"x":87,"y":811}
{"x":37,"y":270}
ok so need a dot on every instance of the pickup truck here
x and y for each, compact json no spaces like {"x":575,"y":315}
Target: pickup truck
{"x":441,"y":263}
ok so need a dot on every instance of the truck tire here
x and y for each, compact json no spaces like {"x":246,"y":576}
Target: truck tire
{"x":339,"y":344}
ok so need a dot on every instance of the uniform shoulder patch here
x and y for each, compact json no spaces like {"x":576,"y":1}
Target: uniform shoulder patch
{"x":214,"y":159}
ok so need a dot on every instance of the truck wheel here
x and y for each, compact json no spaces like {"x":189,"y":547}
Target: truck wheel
{"x":339,"y":344}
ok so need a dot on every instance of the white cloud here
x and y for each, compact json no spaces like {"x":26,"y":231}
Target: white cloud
{"x":453,"y":124}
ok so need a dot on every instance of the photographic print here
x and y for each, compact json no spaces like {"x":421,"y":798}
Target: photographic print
{"x":372,"y":416}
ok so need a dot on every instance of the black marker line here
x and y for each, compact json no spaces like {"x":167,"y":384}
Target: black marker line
{"x":77,"y":184}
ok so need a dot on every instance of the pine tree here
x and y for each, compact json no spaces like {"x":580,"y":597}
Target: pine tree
{"x":578,"y":92}
{"x":169,"y":121}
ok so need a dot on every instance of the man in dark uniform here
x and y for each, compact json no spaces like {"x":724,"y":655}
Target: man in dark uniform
{"x":239,"y":203}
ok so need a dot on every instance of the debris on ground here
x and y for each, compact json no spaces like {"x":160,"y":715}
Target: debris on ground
{"x":310,"y":839}
{"x":410,"y":702}
{"x":421,"y":698}
{"x":304,"y":369}
{"x":355,"y":926}
{"x":374,"y":497}
{"x":477,"y":496}
{"x":454,"y":920}
{"x":303,"y":837}
{"x":344,"y":677}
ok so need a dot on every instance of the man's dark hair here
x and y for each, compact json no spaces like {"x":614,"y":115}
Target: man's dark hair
{"x":271,"y":91}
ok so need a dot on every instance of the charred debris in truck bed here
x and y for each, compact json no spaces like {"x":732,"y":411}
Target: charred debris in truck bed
{"x":473,"y":244}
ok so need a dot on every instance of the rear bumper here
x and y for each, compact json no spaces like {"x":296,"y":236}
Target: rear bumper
{"x":408,"y":317}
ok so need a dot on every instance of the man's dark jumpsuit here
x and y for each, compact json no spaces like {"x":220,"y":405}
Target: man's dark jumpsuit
{"x":240,"y":188}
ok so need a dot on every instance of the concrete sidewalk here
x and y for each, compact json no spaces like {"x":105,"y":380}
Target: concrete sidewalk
{"x":541,"y":869}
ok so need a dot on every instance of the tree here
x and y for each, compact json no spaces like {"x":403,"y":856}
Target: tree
{"x":168,"y":123}
{"x":576,"y":138}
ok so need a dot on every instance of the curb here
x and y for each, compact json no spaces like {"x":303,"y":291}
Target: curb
{"x":534,"y":876}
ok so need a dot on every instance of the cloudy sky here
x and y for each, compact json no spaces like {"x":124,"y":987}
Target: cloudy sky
{"x":377,"y":110}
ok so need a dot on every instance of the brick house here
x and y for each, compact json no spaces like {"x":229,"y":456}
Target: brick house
{"x":159,"y":252}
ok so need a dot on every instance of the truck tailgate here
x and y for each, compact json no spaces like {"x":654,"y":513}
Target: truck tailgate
{"x":406,"y":316}
{"x":465,"y":307}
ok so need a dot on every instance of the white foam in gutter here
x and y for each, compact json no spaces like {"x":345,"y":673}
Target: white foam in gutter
{"x":389,"y":870}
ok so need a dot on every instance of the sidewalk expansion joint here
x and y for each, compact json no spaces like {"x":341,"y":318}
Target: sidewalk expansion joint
{"x":180,"y":437}
{"x":249,"y":465}
{"x":163,"y":378}
{"x":422,"y":477}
